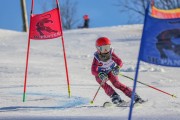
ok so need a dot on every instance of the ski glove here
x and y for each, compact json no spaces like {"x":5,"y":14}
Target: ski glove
{"x":115,"y":70}
{"x":103,"y":76}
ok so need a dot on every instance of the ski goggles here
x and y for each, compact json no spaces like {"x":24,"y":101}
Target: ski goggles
{"x":104,"y":48}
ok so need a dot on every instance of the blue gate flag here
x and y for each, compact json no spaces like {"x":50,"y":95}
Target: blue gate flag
{"x":160,"y":43}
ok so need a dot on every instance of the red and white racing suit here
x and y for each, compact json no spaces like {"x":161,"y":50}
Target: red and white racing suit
{"x":98,"y":66}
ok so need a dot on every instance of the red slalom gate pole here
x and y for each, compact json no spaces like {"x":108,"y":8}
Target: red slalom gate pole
{"x":27,"y":56}
{"x":65,"y":61}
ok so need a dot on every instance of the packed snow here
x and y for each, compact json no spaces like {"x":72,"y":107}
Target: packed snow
{"x":47,"y":93}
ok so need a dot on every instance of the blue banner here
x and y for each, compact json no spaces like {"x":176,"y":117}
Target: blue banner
{"x":160,"y":43}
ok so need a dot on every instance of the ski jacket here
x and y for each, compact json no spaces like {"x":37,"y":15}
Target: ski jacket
{"x":100,"y":66}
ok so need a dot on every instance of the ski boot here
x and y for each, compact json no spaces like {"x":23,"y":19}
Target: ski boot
{"x":117,"y":101}
{"x":115,"y":98}
{"x":138,"y":99}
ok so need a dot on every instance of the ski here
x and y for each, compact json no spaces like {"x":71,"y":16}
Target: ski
{"x":123,"y":104}
{"x":110,"y":104}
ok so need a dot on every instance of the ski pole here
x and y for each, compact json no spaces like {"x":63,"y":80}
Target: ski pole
{"x":92,"y":101}
{"x":172,"y":95}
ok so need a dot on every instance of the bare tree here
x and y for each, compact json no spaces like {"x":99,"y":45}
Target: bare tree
{"x":139,"y":6}
{"x":167,"y":4}
{"x":68,"y":14}
{"x":24,"y":16}
{"x":134,"y":9}
{"x":68,"y":10}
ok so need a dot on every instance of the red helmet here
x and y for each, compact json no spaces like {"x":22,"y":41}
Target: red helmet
{"x":102,"y":41}
{"x":86,"y":17}
{"x":103,"y":44}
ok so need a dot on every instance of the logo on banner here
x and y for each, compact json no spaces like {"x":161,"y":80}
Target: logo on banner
{"x":46,"y":25}
{"x":165,"y":42}
{"x":41,"y":25}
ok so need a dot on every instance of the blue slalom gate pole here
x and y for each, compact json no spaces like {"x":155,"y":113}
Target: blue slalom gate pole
{"x":134,"y":90}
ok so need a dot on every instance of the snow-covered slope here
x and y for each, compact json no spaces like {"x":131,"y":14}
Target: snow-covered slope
{"x":47,"y":96}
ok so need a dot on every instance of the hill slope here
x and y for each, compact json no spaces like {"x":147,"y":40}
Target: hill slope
{"x":47,"y":96}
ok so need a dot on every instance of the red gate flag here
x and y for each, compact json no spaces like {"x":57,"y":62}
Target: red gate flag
{"x":45,"y":26}
{"x":42,"y":27}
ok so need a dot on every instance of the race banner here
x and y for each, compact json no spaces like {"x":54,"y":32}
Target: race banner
{"x":45,"y":26}
{"x":160,"y":43}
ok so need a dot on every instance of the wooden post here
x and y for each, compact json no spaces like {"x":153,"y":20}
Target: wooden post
{"x":24,"y":16}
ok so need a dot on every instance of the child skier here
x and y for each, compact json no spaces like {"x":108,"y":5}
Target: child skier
{"x":106,"y":65}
